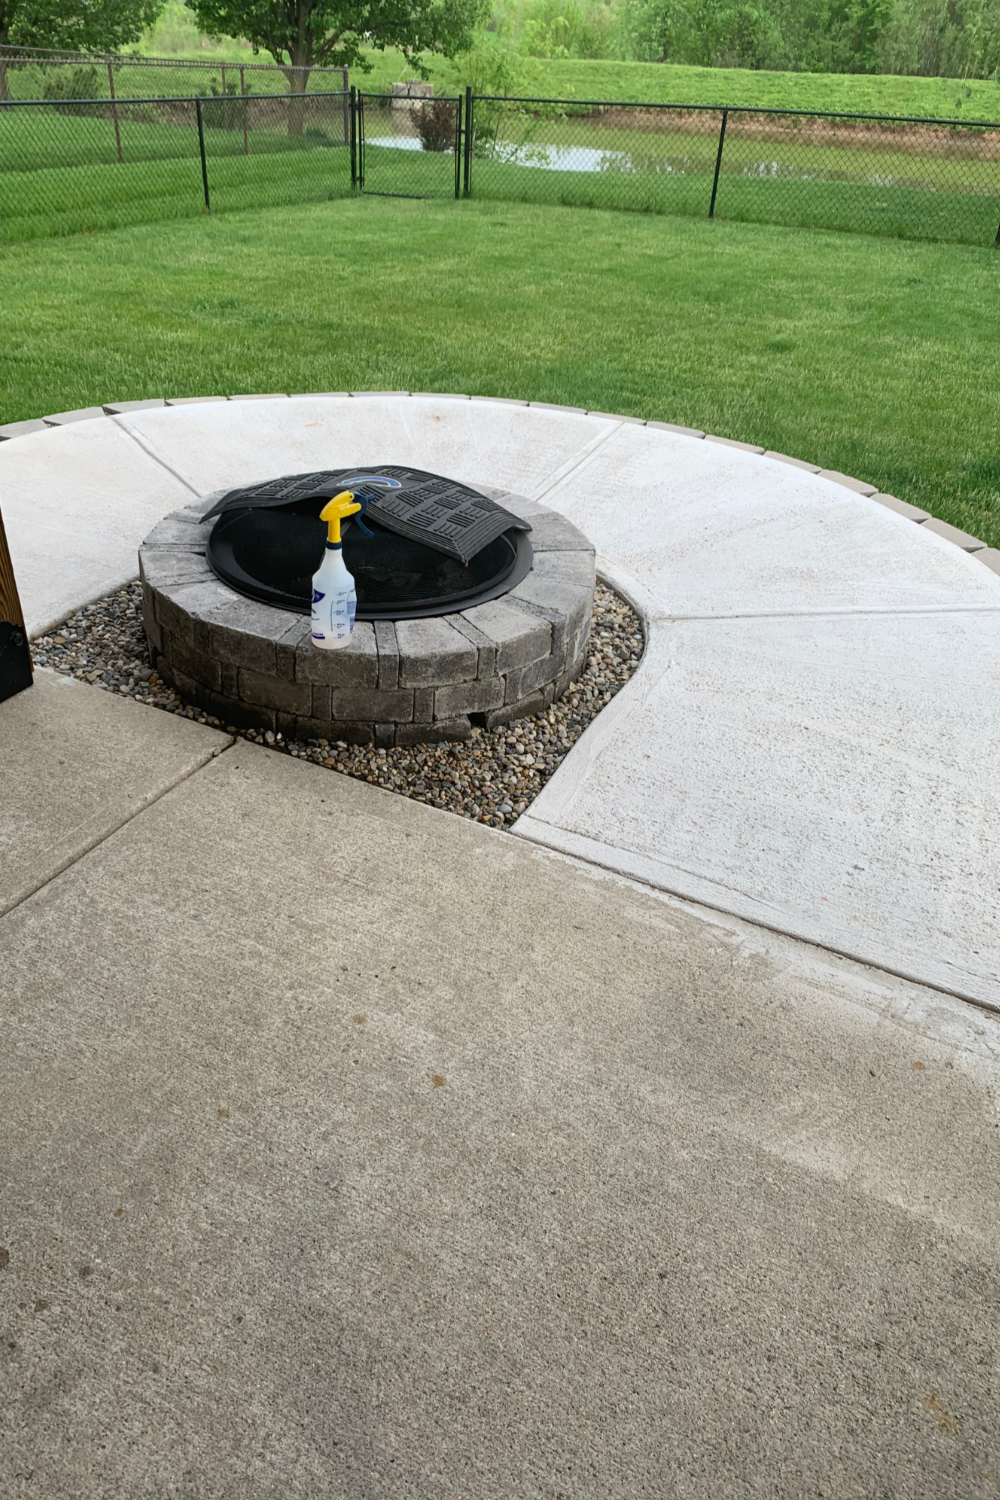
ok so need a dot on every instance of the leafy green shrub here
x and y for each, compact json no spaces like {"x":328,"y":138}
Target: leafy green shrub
{"x":67,"y":85}
{"x":435,"y":124}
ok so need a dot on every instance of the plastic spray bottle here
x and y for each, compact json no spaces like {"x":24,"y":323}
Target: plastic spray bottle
{"x":334,"y":599}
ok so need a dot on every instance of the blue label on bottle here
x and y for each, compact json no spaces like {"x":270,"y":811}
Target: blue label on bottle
{"x":317,"y":595}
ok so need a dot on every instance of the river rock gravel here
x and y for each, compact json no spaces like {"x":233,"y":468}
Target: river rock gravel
{"x":492,"y":778}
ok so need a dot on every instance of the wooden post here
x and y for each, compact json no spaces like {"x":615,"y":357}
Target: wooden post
{"x":15,"y":657}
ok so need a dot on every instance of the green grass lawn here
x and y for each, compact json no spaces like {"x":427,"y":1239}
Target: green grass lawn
{"x":877,"y":357}
{"x":675,"y":83}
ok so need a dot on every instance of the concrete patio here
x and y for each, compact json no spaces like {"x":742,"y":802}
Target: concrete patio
{"x":355,"y":1149}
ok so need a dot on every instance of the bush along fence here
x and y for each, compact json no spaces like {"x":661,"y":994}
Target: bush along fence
{"x":69,"y":164}
{"x":44,"y":73}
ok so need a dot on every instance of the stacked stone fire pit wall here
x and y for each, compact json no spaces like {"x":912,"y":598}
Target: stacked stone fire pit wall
{"x":397,"y":683}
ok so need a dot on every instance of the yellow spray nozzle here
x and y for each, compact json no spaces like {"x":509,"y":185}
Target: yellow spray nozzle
{"x":335,"y":511}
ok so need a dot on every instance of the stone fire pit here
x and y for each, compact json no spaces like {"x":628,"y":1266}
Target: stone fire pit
{"x":398,"y":682}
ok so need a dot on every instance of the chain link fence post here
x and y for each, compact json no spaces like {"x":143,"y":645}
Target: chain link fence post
{"x":201,"y":147}
{"x":718,"y":163}
{"x":353,"y":109}
{"x":469,"y":134}
{"x":114,"y":112}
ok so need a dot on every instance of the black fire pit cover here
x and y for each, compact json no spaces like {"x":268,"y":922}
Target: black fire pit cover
{"x":439,"y":512}
{"x":267,"y":542}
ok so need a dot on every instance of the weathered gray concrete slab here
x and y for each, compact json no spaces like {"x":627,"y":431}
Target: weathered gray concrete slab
{"x":76,"y":763}
{"x":351,"y":1149}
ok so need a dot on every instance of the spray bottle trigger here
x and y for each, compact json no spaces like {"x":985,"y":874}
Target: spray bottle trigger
{"x":362,"y":498}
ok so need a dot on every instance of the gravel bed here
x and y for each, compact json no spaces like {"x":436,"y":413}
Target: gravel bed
{"x":492,"y":778}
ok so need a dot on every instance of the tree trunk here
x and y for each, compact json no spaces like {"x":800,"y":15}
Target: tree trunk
{"x":297,"y":73}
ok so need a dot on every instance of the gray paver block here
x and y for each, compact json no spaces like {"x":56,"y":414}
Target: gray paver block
{"x":442,"y":395}
{"x":609,"y":416}
{"x":64,"y":418}
{"x":990,"y":557}
{"x":163,"y":567}
{"x":366,"y":703}
{"x":732,"y":443}
{"x":287,"y":646}
{"x":573,"y":566}
{"x":275,"y":692}
{"x":354,"y":665}
{"x":902,"y":507}
{"x":21,"y":429}
{"x":576,"y":411}
{"x":551,"y":532}
{"x":432,"y":653}
{"x":953,"y":534}
{"x":176,"y":606}
{"x":361,"y":395}
{"x":423,"y":705}
{"x":526,"y":708}
{"x":694,"y":432}
{"x":270,"y":396}
{"x":518,"y":635}
{"x":319,"y":395}
{"x":796,"y":463}
{"x":116,"y":408}
{"x":500,"y":400}
{"x":442,"y":731}
{"x":569,"y":606}
{"x":468,"y":698}
{"x":859,"y":486}
{"x":388,"y":654}
{"x":191,"y":400}
{"x":524,"y":680}
{"x":197,"y":665}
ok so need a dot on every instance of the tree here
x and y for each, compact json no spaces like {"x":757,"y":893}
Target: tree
{"x":95,"y":26}
{"x":304,"y":34}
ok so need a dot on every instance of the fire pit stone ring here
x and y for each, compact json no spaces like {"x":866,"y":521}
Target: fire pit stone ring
{"x":399,"y":682}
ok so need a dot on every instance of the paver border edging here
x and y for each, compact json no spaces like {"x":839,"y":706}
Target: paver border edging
{"x":988,"y":556}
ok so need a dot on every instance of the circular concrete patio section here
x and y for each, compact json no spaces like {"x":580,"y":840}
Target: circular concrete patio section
{"x":812,"y":740}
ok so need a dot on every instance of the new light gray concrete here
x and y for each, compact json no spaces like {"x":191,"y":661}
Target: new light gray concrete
{"x":837,"y":776}
{"x":351,"y":1149}
{"x":77,"y":501}
{"x":76,"y":763}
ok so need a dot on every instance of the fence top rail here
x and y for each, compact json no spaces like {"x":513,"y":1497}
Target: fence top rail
{"x":106,"y":102}
{"x":43,"y":55}
{"x":411,"y":98}
{"x":743,"y":109}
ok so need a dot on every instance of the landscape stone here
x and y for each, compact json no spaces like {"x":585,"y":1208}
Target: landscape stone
{"x":953,"y":534}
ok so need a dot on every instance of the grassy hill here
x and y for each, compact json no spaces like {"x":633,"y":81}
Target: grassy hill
{"x":668,"y":83}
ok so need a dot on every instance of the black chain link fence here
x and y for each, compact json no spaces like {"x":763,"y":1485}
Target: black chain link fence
{"x":43,"y":73}
{"x":101,"y":164}
{"x":920,"y":179}
{"x":73,"y":164}
{"x":410,"y":147}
